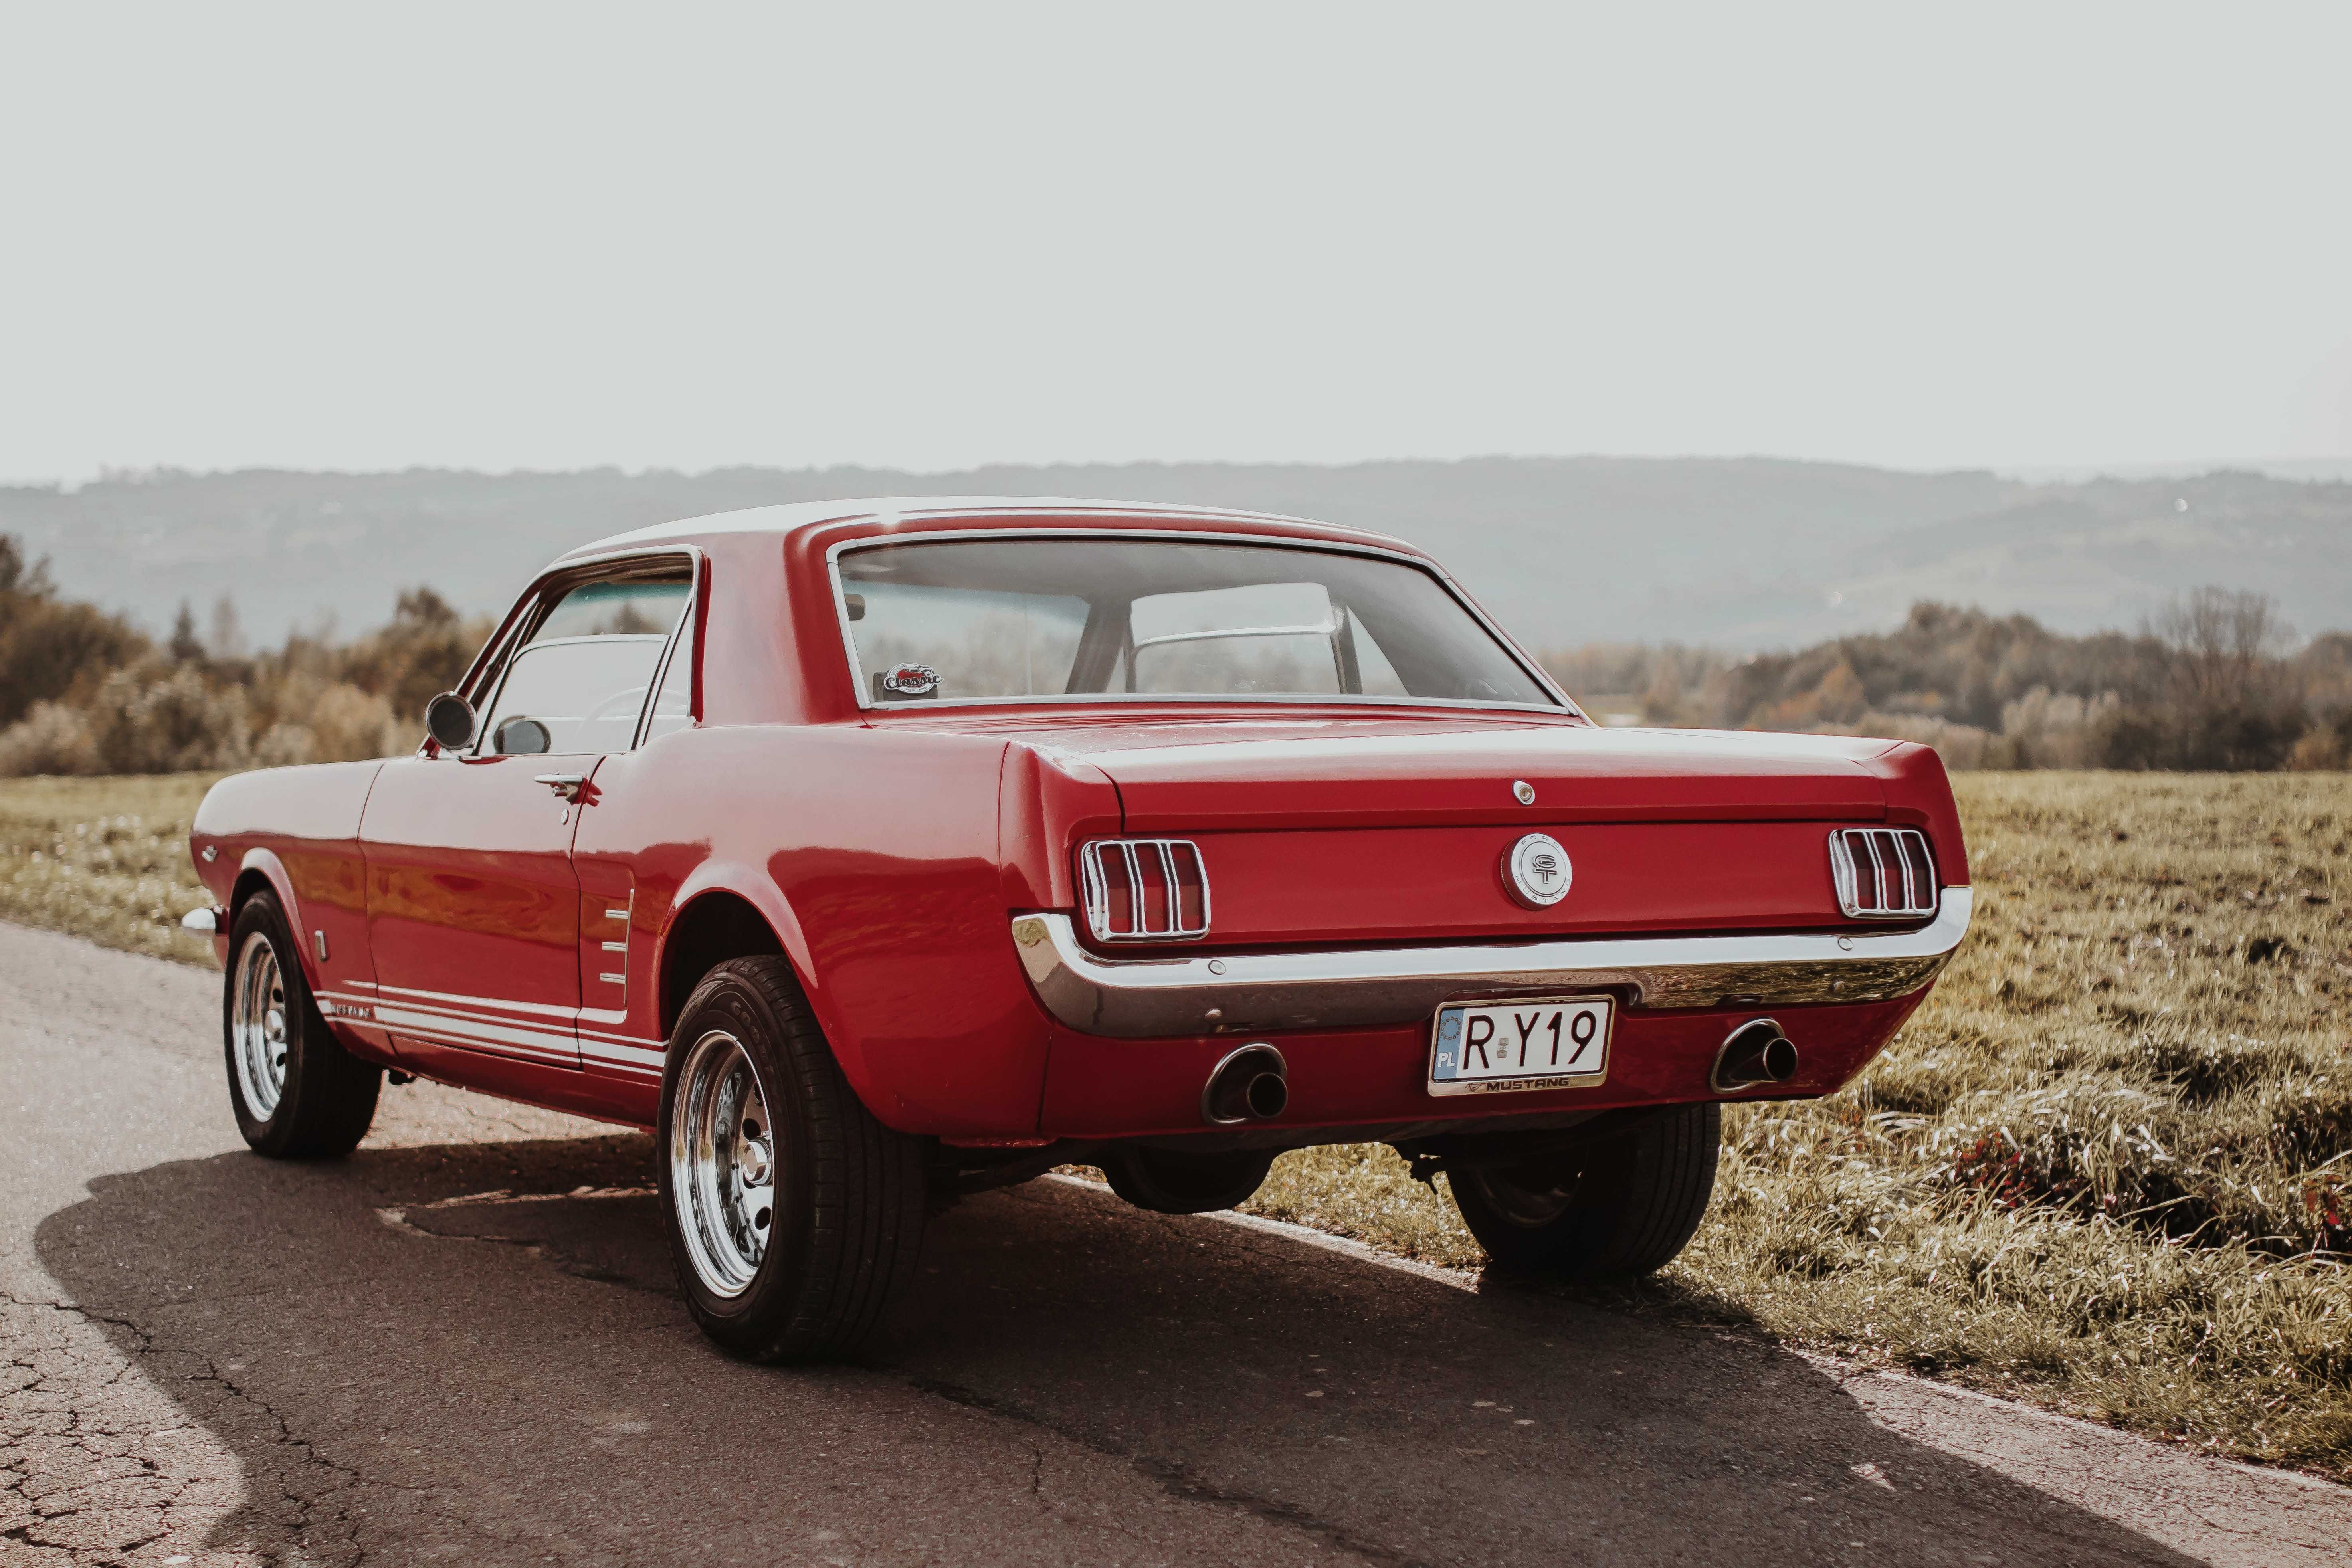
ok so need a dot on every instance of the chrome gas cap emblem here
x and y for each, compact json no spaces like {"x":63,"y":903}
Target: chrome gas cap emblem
{"x":1537,"y":872}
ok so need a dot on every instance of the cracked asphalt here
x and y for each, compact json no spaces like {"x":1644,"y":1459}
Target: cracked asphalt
{"x":461,"y":1345}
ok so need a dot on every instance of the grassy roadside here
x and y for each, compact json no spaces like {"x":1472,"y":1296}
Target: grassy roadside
{"x":2103,"y":1169}
{"x":105,"y":858}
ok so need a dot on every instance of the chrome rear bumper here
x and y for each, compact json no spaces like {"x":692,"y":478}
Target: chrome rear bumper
{"x":1165,"y":998}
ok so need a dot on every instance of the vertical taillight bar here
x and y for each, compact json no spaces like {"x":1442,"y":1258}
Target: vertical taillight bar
{"x":1914,"y":858}
{"x":1135,"y":923}
{"x":1192,"y":885}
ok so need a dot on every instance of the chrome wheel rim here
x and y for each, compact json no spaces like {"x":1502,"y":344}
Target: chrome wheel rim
{"x":722,"y":1164}
{"x":257,"y":1027}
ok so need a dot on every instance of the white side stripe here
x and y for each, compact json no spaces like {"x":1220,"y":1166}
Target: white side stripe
{"x":477,"y":1030}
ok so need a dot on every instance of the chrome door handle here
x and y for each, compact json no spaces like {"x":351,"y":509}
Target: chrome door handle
{"x":565,"y":785}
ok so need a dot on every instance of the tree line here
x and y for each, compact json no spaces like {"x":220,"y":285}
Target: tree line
{"x":2211,"y":680}
{"x":83,"y":691}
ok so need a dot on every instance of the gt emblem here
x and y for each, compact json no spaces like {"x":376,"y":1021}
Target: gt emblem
{"x":1537,"y":872}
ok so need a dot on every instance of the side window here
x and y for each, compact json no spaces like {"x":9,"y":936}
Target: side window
{"x":578,"y":684}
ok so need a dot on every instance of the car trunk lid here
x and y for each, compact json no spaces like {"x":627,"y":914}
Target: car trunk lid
{"x":1301,"y":776}
{"x":1340,"y":830}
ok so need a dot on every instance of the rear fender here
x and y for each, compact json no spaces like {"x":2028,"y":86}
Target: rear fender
{"x":1046,"y":805}
{"x":1919,"y":794}
{"x":730,"y":878}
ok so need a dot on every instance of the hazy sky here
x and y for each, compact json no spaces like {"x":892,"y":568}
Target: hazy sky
{"x":501,"y":235}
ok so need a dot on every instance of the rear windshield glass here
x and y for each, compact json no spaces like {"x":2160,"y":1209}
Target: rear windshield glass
{"x":1046,"y":617}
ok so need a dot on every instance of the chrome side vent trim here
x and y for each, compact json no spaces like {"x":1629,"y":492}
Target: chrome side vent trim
{"x":1884,"y":873}
{"x":1144,"y":890}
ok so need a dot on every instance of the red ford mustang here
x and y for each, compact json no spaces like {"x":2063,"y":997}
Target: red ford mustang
{"x":868,"y":852}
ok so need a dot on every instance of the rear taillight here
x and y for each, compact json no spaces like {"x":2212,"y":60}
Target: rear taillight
{"x":1882,"y":873}
{"x":1144,"y":890}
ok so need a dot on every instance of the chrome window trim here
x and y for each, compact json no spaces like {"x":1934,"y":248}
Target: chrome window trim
{"x":1534,"y":672}
{"x":488,"y":667}
{"x":688,"y":626}
{"x":534,"y":645}
{"x":1184,"y":998}
{"x":1237,"y":699}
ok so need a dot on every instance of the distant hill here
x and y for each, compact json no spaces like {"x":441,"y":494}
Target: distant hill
{"x":1735,"y":553}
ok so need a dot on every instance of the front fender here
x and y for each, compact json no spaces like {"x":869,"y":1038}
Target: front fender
{"x":297,"y":829}
{"x":266,"y":864}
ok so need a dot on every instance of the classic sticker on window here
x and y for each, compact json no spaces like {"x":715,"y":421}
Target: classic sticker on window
{"x":904,"y":681}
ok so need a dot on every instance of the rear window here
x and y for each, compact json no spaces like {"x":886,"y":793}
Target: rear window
{"x":1081,"y":618}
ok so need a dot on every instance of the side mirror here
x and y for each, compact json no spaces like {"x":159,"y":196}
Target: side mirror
{"x":450,"y":720}
{"x":522,"y":738}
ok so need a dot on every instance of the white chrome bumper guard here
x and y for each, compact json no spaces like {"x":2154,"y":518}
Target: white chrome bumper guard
{"x":1171,"y":998}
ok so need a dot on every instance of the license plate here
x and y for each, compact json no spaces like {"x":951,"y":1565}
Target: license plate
{"x":1493,"y":1048}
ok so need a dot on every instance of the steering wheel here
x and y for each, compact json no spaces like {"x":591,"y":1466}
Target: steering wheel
{"x":634,"y":696}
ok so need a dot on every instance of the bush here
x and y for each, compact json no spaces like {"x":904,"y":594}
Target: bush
{"x":2132,"y":739}
{"x":151,"y":721}
{"x":328,"y":722}
{"x":424,"y":650}
{"x":51,"y":739}
{"x":48,"y":649}
{"x":2237,"y":739}
{"x":2054,"y":730}
{"x":2321,"y":749}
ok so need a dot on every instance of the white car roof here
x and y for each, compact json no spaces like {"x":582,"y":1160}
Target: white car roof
{"x":784,"y":518}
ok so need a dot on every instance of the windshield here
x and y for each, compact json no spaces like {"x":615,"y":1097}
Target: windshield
{"x":1049,"y":618}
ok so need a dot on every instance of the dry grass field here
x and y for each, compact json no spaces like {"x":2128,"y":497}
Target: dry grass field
{"x":106,"y":858}
{"x":2108,"y":1167}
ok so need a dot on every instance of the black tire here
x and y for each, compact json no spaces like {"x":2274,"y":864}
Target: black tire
{"x":1167,"y":1182}
{"x":843,"y":1194}
{"x":325,"y":1096}
{"x":1616,"y":1208}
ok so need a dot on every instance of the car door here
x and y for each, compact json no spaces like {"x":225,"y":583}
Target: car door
{"x":474,"y":910}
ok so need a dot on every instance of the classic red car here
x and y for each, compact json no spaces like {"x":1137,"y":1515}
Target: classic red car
{"x":870,"y":852}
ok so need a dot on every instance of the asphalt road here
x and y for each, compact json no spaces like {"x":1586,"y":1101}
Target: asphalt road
{"x":461,"y":1345}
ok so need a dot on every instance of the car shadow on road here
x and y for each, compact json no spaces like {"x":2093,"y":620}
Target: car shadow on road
{"x":417,"y":1343}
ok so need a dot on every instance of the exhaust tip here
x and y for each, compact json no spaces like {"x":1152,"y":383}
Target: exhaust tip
{"x":1269,"y":1094}
{"x":1251,"y":1084}
{"x":1756,"y":1052}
